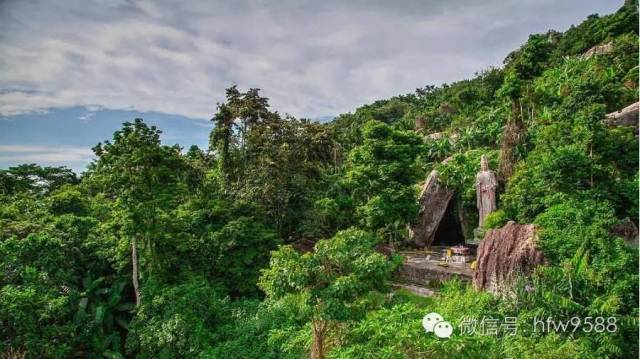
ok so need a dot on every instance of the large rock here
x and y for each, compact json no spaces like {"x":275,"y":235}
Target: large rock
{"x":503,"y":254}
{"x":628,"y":116}
{"x":598,"y":50}
{"x":434,"y":200}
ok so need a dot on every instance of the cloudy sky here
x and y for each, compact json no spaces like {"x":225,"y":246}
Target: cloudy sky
{"x":70,"y":64}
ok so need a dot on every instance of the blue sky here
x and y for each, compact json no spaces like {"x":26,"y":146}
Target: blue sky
{"x":65,"y":136}
{"x":72,"y":71}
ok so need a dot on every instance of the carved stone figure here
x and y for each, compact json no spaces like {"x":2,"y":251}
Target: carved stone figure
{"x":486,"y":184}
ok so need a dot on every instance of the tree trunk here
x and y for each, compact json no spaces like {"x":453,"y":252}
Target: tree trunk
{"x":134,"y":260}
{"x":317,"y":347}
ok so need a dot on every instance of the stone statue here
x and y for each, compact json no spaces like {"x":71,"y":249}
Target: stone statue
{"x":486,"y":184}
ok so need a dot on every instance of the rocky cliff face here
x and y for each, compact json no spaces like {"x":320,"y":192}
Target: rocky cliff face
{"x":503,"y":253}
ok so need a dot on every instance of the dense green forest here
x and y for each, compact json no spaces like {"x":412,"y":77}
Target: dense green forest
{"x":161,"y":252}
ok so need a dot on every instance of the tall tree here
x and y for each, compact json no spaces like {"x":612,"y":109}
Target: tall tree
{"x":380,"y":175}
{"x":144,"y":178}
{"x":235,"y":121}
{"x":267,"y":159}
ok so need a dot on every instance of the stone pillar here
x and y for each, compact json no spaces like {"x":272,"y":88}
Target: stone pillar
{"x":486,"y":184}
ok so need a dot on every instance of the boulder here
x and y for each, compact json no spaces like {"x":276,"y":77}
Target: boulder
{"x":598,"y":50}
{"x":628,"y":116}
{"x":503,"y":254}
{"x":434,"y":199}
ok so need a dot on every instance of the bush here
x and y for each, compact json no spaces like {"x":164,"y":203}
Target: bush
{"x":496,"y":219}
{"x":180,"y":321}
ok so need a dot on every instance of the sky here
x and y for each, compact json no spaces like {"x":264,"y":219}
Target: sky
{"x":71,"y":71}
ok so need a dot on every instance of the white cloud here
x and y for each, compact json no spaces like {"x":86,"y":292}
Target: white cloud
{"x":44,"y":154}
{"x":311,"y":58}
{"x":86,"y":117}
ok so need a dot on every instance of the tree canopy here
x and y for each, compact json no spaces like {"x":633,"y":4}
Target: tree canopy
{"x":269,"y":243}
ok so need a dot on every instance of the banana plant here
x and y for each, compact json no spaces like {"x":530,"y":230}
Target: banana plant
{"x":103,"y":308}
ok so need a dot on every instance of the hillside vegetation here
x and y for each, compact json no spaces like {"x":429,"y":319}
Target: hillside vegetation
{"x":161,"y":252}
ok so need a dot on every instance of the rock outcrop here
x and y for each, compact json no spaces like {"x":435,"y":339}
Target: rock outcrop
{"x":628,"y":116}
{"x":598,"y":50}
{"x":434,"y":200}
{"x":505,"y":253}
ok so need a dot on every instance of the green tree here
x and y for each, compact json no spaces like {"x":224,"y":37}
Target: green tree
{"x":144,"y":178}
{"x":267,"y":159}
{"x":336,"y":280}
{"x":31,"y":178}
{"x":380,"y":175}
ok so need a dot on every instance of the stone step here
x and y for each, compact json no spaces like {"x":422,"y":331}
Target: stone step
{"x":417,"y":290}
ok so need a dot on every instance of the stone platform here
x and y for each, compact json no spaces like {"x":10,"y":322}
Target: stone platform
{"x":427,"y":267}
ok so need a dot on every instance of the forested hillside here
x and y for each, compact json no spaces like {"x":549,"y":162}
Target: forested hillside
{"x":161,"y":252}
